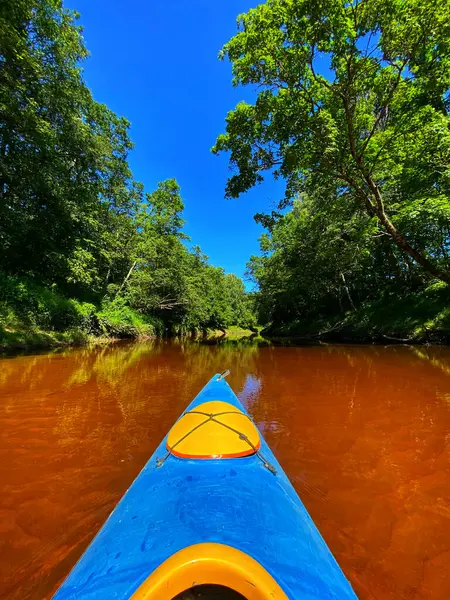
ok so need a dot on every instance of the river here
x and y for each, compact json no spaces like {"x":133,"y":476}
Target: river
{"x":363,"y":432}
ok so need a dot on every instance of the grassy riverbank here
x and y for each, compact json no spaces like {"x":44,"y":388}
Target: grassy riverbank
{"x":418,"y":318}
{"x":32,"y":338}
{"x":35,"y":317}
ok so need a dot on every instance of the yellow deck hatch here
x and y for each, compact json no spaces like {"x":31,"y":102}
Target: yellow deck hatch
{"x":213,"y":429}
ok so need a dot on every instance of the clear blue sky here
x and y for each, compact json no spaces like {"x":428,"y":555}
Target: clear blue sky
{"x":155,"y":62}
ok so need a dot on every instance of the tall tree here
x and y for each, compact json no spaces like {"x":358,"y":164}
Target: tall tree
{"x":155,"y":278}
{"x":71,"y":215}
{"x":352,"y":100}
{"x":63,"y":156}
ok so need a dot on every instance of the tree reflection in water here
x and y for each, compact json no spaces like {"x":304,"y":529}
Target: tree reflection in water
{"x":361,"y":431}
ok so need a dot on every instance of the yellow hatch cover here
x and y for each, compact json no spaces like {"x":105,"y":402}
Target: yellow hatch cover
{"x":213,"y":429}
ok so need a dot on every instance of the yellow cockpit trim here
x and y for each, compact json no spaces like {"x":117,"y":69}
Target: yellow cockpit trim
{"x":210,"y":563}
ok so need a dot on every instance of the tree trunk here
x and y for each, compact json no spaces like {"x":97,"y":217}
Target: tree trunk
{"x":347,"y":291}
{"x":127,"y":277}
{"x":403,"y":243}
{"x":377,"y":208}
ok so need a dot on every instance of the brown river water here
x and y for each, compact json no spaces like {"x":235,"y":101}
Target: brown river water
{"x":362,"y":432}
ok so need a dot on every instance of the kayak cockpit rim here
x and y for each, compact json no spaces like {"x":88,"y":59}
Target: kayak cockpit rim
{"x":213,"y":564}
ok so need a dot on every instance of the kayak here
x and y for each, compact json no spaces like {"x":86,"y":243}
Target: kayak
{"x":212,"y":510}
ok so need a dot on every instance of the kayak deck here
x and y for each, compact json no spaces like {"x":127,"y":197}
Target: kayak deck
{"x":232,"y":502}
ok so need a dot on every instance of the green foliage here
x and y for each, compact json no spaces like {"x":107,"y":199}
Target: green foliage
{"x":422,"y":316}
{"x":352,"y":108}
{"x":24,"y":305}
{"x":315,"y":263}
{"x":29,"y":304}
{"x":333,"y":277}
{"x":63,"y":167}
{"x":87,"y":319}
{"x":28,"y":338}
{"x":116,"y":318}
{"x":73,"y":222}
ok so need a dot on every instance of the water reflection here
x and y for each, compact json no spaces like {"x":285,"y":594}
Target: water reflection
{"x":435,"y":356}
{"x":363,"y":433}
{"x":250,"y":392}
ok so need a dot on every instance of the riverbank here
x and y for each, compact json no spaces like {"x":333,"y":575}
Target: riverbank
{"x":86,"y":325}
{"x":29,"y":339}
{"x":420,"y":318}
{"x":37,"y":339}
{"x":33,"y":316}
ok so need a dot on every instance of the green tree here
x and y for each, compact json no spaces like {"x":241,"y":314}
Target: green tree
{"x":352,"y":104}
{"x":317,"y":264}
{"x":72,"y":218}
{"x":154,"y":280}
{"x":63,"y":156}
{"x":239,"y":303}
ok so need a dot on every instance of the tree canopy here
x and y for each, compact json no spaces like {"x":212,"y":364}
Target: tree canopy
{"x":72,"y":218}
{"x":352,"y":111}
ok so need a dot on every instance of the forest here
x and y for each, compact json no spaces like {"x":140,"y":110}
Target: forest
{"x":351,"y":111}
{"x":85,"y":249}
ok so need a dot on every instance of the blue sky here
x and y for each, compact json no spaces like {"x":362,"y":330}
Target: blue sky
{"x":155,"y":62}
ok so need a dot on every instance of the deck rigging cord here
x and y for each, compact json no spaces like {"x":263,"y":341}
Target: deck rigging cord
{"x":212,"y":417}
